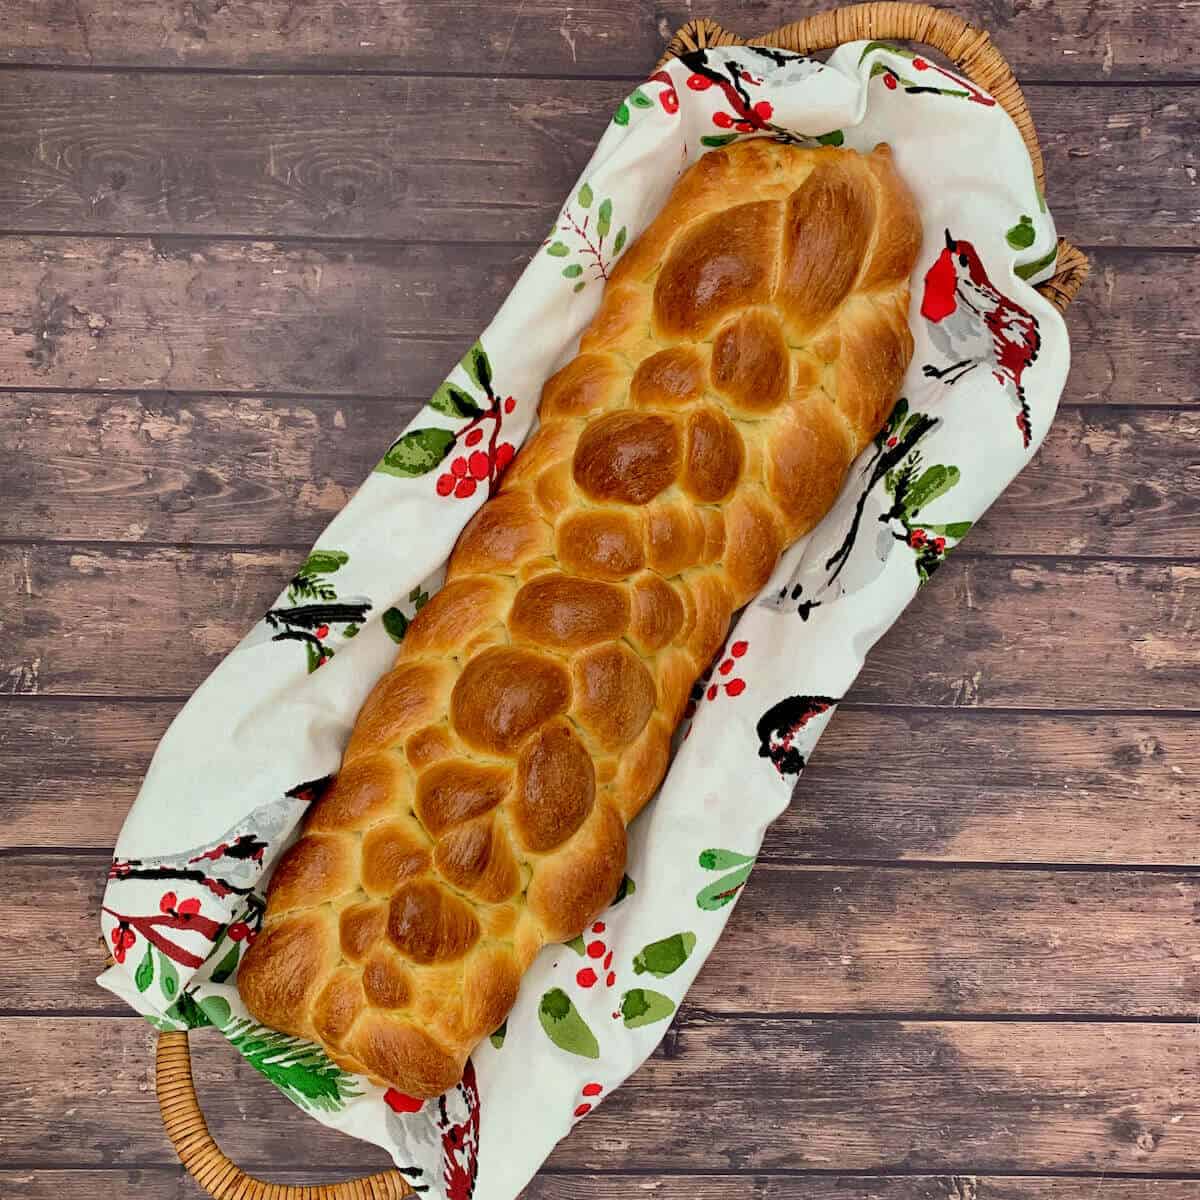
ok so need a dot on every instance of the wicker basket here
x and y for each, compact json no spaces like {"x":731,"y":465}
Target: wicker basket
{"x":971,"y":50}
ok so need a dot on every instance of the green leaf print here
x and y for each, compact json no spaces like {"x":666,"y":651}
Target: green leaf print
{"x":302,"y":1071}
{"x":417,"y":452}
{"x":573,"y":271}
{"x":226,"y":967}
{"x":454,"y":402}
{"x":576,"y":944}
{"x":478,"y":367}
{"x":664,"y":957}
{"x":558,"y":249}
{"x":497,"y":1036}
{"x":1022,"y":235}
{"x":639,"y":99}
{"x":936,"y":481}
{"x":723,"y":891}
{"x":716,"y":140}
{"x":626,"y":888}
{"x":604,"y":218}
{"x":955,"y":529}
{"x":565,"y":1027}
{"x":621,"y":116}
{"x":143,"y":977}
{"x":872,"y":46}
{"x":722,"y":860}
{"x":188,"y":1012}
{"x":834,"y":137}
{"x":1029,"y":270}
{"x":168,"y":977}
{"x":585,"y":196}
{"x":619,"y":240}
{"x":324,"y":562}
{"x":641,"y":1006}
{"x":395,"y":624}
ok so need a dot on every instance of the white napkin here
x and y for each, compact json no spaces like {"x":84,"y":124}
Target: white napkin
{"x":235,"y":772}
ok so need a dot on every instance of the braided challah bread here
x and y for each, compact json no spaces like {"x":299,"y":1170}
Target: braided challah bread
{"x":748,"y":346}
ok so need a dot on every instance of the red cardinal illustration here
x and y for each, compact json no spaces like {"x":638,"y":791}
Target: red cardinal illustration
{"x":973,"y":323}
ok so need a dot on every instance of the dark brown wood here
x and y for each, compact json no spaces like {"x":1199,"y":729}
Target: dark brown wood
{"x":479,"y":160}
{"x":163,"y":1183}
{"x":1009,"y":787}
{"x":156,"y":467}
{"x":1073,"y":39}
{"x":940,"y":1097}
{"x":970,"y":639}
{"x":803,"y":939}
{"x":391,"y":320}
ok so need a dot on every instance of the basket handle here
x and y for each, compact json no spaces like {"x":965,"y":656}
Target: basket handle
{"x":207,"y":1163}
{"x":970,"y":49}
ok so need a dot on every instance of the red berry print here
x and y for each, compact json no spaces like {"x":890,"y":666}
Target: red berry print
{"x":939,"y":544}
{"x":583,"y":1110}
{"x":586,"y":978}
{"x":711,"y":694}
{"x":723,"y":119}
{"x":599,"y":927}
{"x":744,"y":127}
{"x":474,"y":437}
{"x":168,"y":902}
{"x":509,"y":404}
{"x":726,"y":666}
{"x":669,"y":99}
{"x":189,"y":907}
{"x":464,"y":488}
{"x":699,"y":83}
{"x":401,"y":1102}
{"x":919,"y":64}
{"x":251,"y":936}
{"x":916,"y":538}
{"x":322,"y":633}
{"x":739,"y":648}
{"x":595,"y":949}
{"x":889,"y":82}
{"x":763,"y":110}
{"x":445,"y":484}
{"x":892,"y":442}
{"x":504,"y":455}
{"x":592,"y":1089}
{"x":238,"y":931}
{"x":459,"y":466}
{"x":116,"y":936}
{"x":612,"y":978}
{"x":479,"y":464}
{"x":735,"y":687}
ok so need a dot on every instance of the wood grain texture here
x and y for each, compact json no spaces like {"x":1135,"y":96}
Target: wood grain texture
{"x":391,"y":320}
{"x":199,"y":469}
{"x":1009,"y":787}
{"x":863,"y":940}
{"x":1070,"y":39}
{"x":163,"y":1183}
{"x":939,"y":1097}
{"x":452,"y":159}
{"x":95,"y":621}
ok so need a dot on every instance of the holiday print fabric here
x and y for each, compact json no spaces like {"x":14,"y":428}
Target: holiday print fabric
{"x":256,"y":745}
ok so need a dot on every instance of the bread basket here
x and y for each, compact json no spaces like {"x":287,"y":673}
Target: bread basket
{"x":970,"y":49}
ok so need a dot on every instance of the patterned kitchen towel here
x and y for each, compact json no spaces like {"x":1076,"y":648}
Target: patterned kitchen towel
{"x":237,"y":769}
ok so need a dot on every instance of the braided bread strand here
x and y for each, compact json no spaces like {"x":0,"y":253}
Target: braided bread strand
{"x":748,"y":346}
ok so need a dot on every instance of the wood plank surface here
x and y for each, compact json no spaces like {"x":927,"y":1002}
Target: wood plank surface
{"x":200,"y":469}
{"x":1069,"y":39}
{"x":939,"y":1097}
{"x":165,"y":1183}
{"x":863,"y":940}
{"x":1009,"y":787}
{"x":452,"y":159}
{"x":993,"y":633}
{"x":391,"y":320}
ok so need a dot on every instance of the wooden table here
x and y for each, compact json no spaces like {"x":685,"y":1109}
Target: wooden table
{"x":241,"y":240}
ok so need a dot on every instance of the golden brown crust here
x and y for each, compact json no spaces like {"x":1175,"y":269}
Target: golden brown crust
{"x":747,"y":348}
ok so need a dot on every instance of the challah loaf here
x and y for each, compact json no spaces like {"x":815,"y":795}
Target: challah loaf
{"x":748,"y":347}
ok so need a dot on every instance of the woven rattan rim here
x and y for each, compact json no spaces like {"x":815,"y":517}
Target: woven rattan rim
{"x":971,"y":50}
